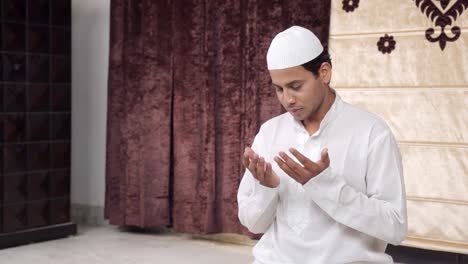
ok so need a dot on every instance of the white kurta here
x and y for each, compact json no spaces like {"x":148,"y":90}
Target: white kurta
{"x":346,"y":214}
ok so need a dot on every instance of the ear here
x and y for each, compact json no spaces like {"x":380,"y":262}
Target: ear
{"x":325,"y":72}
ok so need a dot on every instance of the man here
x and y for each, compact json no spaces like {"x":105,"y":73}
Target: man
{"x":324,"y":181}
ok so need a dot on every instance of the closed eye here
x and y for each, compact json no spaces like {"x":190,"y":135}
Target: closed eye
{"x":277,"y":88}
{"x":297,"y":88}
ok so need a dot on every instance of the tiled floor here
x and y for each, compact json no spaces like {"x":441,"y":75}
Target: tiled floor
{"x":110,"y":245}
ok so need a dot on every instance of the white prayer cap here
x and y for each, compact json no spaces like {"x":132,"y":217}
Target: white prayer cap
{"x":293,"y":47}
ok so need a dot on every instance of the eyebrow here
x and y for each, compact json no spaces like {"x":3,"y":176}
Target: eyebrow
{"x":289,"y":84}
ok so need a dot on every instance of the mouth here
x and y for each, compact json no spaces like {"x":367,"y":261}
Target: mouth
{"x":295,"y":110}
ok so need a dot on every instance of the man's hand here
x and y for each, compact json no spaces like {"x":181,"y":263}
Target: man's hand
{"x":260,"y":169}
{"x":305,"y":171}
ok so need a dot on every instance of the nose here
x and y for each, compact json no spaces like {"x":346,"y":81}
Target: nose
{"x":289,"y":96}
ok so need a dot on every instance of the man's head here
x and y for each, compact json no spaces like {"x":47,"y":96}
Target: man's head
{"x":300,"y":71}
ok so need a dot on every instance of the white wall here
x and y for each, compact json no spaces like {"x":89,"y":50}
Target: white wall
{"x":90,"y":48}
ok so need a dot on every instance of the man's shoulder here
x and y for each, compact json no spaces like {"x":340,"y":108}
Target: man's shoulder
{"x":364,"y":120}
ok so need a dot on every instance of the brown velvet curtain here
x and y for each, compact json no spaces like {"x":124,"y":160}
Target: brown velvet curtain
{"x":188,"y":90}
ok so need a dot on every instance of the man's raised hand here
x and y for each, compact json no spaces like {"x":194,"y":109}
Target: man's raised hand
{"x":305,"y":170}
{"x":261,"y":170}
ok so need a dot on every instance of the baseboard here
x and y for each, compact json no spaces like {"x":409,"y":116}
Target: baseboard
{"x":83,"y":214}
{"x":402,"y":254}
{"x":34,"y":235}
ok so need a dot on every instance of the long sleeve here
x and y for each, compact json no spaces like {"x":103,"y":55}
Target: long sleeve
{"x":257,"y":203}
{"x":381,"y":211}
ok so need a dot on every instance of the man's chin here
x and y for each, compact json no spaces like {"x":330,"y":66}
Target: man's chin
{"x":297,"y":117}
{"x":299,"y":114}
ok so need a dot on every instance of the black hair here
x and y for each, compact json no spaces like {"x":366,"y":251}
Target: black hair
{"x":314,"y":65}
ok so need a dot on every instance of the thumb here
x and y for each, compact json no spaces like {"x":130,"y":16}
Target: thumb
{"x":249,"y":150}
{"x":324,"y":158}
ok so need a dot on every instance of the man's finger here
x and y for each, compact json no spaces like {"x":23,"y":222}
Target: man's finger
{"x":268,"y":170}
{"x":270,"y":176}
{"x":253,"y":166}
{"x":324,"y":157}
{"x":308,"y":164}
{"x":247,"y":157}
{"x":301,"y":158}
{"x":282,"y":164}
{"x":246,"y":161}
{"x":249,"y":153}
{"x":261,"y":170}
{"x":294,"y":166}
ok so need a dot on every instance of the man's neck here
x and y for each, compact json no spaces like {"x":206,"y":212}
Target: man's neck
{"x":312,"y":124}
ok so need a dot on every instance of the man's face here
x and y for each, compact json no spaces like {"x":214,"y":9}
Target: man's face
{"x":299,"y":91}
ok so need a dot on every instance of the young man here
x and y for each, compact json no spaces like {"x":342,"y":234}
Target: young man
{"x":324,"y":181}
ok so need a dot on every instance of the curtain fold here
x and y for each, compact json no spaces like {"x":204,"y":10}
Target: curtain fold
{"x":139,"y":111}
{"x":188,"y":90}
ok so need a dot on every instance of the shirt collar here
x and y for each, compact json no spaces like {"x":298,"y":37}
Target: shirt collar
{"x":329,"y":116}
